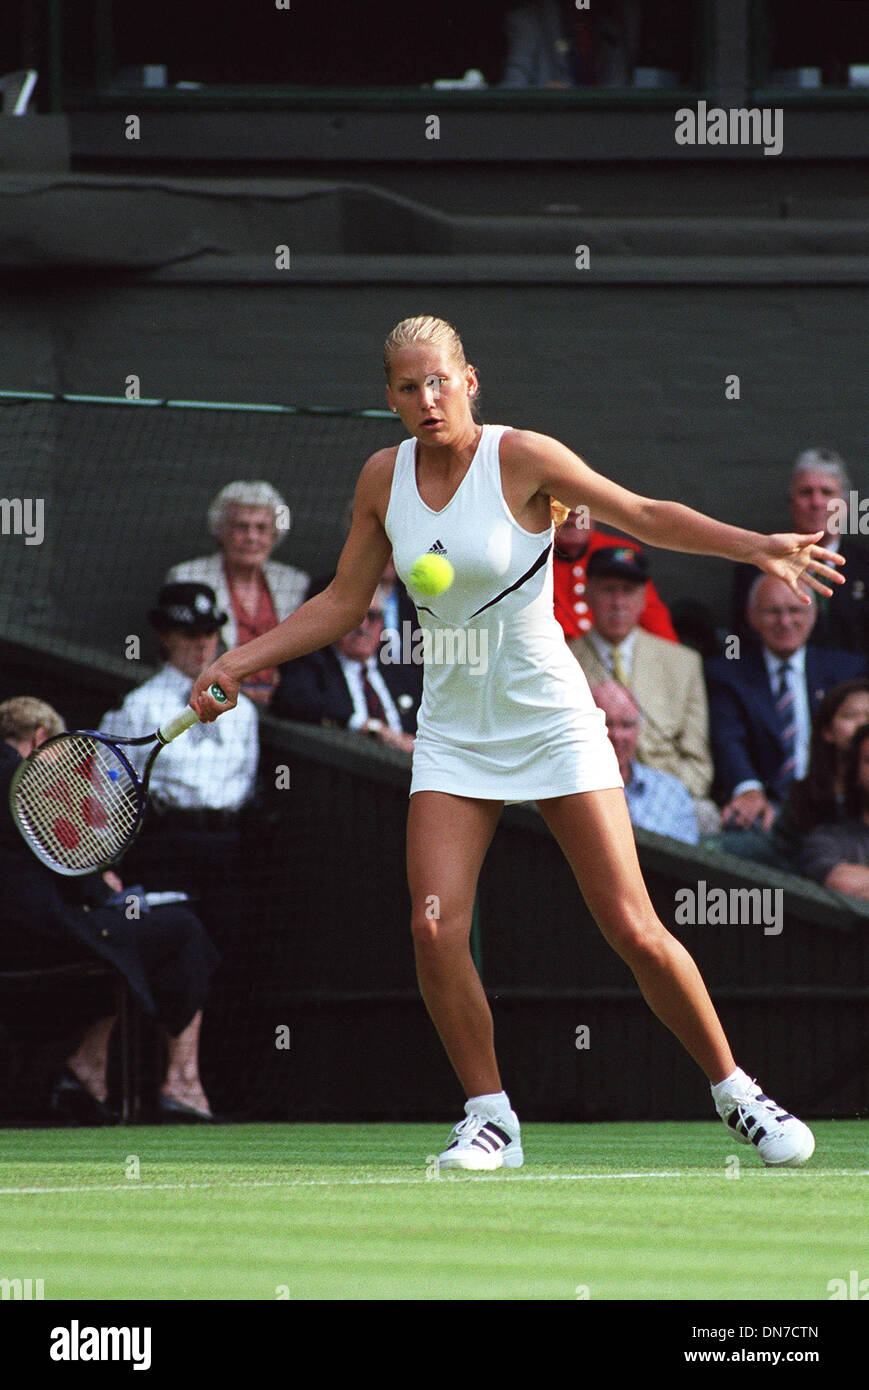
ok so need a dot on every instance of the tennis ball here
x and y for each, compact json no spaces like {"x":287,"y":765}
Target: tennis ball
{"x":431,"y":574}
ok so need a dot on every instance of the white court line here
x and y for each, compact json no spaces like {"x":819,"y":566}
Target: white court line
{"x":453,"y":1177}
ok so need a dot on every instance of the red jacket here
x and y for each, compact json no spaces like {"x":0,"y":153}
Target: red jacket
{"x":571,"y":608}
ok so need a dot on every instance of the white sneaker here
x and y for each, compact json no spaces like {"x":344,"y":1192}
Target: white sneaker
{"x":484,"y":1142}
{"x":781,"y":1139}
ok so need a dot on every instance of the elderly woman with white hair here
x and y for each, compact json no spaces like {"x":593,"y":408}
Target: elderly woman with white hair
{"x":249,"y":519}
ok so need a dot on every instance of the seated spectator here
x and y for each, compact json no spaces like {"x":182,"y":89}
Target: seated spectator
{"x":665,"y":679}
{"x":761,"y":703}
{"x":249,"y":520}
{"x":819,"y":797}
{"x":399,"y":638}
{"x":818,"y":492}
{"x":656,"y":800}
{"x":349,"y":684}
{"x":553,"y":43}
{"x":837,"y":855}
{"x":576,"y":540}
{"x":47,"y":919}
{"x":202,"y":782}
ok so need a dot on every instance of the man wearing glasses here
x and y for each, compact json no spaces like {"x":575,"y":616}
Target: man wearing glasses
{"x":761,"y":702}
{"x":350,"y":685}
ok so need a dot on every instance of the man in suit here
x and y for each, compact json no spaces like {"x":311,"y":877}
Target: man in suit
{"x":666,"y":679}
{"x":818,"y":500}
{"x":351,"y":684}
{"x":761,"y":703}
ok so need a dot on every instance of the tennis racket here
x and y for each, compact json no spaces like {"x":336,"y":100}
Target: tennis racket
{"x":79,"y":802}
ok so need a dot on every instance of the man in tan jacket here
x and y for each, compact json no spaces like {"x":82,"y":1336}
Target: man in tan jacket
{"x":665,"y":679}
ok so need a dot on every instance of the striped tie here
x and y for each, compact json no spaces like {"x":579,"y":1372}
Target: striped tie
{"x":619,"y":668}
{"x":784,"y":707}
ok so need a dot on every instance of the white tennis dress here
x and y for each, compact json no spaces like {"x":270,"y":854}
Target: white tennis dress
{"x":506,"y":711}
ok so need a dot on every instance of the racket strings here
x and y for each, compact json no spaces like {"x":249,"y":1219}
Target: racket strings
{"x":77,"y":802}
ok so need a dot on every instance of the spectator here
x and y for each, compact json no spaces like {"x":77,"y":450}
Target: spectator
{"x":351,"y":685}
{"x":761,"y":703}
{"x":819,"y":798}
{"x":46,"y":920}
{"x":201,"y":783}
{"x":817,"y":496}
{"x":665,"y":679}
{"x":837,"y":856}
{"x":249,"y":519}
{"x":400,"y":637}
{"x":576,"y":540}
{"x":656,"y":800}
{"x":553,"y":43}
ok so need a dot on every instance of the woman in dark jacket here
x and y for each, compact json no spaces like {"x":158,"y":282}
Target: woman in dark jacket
{"x":46,"y":919}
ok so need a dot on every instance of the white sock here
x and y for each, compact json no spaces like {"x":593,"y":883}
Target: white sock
{"x":493,"y":1104}
{"x":737,"y":1082}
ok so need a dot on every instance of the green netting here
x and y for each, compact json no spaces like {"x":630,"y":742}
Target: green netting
{"x":99,"y":497}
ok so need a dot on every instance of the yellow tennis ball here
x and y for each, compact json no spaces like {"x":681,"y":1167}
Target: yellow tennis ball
{"x":431,"y":574}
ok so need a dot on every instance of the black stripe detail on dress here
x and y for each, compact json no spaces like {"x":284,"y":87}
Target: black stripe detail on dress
{"x":538,"y":563}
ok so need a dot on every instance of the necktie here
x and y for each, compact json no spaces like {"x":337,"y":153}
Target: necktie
{"x":784,"y":706}
{"x":373,"y":701}
{"x":619,"y":668}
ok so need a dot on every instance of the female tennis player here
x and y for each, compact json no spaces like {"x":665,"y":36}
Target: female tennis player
{"x":526,"y":728}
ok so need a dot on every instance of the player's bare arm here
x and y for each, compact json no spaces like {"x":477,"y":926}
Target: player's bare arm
{"x":558,"y":472}
{"x":331,"y":614}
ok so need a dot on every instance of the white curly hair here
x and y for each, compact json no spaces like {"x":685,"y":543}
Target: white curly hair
{"x":249,"y":494}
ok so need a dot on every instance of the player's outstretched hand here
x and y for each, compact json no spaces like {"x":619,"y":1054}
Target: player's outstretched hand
{"x":201,"y":698}
{"x":800,"y":560}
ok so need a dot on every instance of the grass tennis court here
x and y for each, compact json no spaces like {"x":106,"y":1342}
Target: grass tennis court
{"x":608,"y":1211}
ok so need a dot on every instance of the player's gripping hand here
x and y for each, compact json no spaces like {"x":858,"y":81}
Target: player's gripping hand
{"x":201,"y":699}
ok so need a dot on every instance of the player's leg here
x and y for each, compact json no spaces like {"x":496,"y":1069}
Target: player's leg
{"x":447,"y":840}
{"x":595,"y":833}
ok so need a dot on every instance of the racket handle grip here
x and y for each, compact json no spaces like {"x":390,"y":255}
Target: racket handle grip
{"x":186,"y":718}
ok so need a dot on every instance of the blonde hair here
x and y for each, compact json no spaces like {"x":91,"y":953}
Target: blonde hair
{"x":425,"y":328}
{"x":24,"y":714}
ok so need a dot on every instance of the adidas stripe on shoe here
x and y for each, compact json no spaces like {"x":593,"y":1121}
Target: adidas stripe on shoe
{"x":780,"y":1138}
{"x":481,"y":1143}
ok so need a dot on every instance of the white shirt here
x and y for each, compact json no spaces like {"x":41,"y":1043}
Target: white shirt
{"x":353,"y":676}
{"x":210,"y":767}
{"x":801,"y":711}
